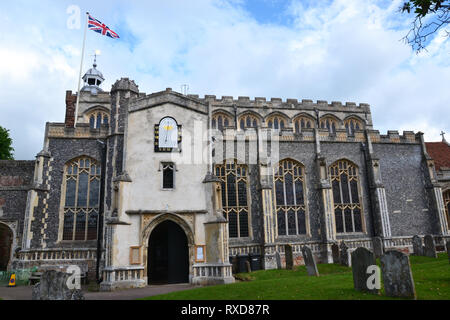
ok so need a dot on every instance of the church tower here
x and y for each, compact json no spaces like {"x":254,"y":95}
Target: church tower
{"x":94,"y":103}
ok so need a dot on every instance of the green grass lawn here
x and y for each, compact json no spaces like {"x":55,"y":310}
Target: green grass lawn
{"x":431,"y":278}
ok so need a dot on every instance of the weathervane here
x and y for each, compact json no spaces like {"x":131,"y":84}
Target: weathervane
{"x":96,"y":53}
{"x":443,"y":136}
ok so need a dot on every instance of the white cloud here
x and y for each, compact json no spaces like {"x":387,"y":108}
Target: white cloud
{"x":346,"y":50}
{"x":18,"y":65}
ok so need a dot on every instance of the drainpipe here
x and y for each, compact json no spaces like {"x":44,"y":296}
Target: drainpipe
{"x":235,"y":116}
{"x":369,"y":183}
{"x":101,"y":209}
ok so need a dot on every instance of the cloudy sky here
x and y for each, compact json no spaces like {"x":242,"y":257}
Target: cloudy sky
{"x":341,"y":50}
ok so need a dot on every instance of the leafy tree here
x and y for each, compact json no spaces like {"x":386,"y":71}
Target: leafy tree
{"x":6,"y":150}
{"x":430,"y":16}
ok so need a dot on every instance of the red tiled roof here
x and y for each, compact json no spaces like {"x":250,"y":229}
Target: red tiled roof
{"x":440,"y":152}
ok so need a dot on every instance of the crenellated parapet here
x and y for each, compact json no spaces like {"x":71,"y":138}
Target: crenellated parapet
{"x":307,"y":135}
{"x":244,"y":101}
{"x":82,"y":130}
{"x":393,"y":137}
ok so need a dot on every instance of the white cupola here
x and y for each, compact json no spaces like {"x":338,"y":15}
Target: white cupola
{"x":93,"y":79}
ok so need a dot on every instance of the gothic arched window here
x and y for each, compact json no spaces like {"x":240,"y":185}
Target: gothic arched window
{"x":302,"y":122}
{"x":220,"y":120}
{"x":347,"y":203}
{"x":290,"y":197}
{"x":276,"y":122}
{"x":329,"y":123}
{"x":248,"y":121}
{"x":234,"y":178}
{"x":352,"y":124}
{"x":446,"y":195}
{"x":97,"y":118}
{"x":81,"y":199}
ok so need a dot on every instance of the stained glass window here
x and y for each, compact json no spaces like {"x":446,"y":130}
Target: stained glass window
{"x":248,"y":121}
{"x":352,"y":125}
{"x":81,"y":201}
{"x":289,"y":184}
{"x":234,"y":180}
{"x":347,"y":205}
{"x":276,"y":122}
{"x":97,"y":118}
{"x":329,"y":123}
{"x":303,"y":122}
{"x":447,"y":206}
{"x":220,"y":121}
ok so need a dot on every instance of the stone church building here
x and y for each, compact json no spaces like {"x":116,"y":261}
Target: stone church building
{"x":142,"y":188}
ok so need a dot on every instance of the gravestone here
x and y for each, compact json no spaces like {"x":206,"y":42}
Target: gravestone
{"x":362,"y":259}
{"x":417,"y":246}
{"x":429,"y":247}
{"x":235,"y":264}
{"x":310,"y":263}
{"x":378,"y":246}
{"x":289,"y":257}
{"x":397,"y":276}
{"x":248,"y":268}
{"x":448,"y":250}
{"x":335,"y":253}
{"x":53,"y":286}
{"x":344,"y":257}
{"x":278,"y":259}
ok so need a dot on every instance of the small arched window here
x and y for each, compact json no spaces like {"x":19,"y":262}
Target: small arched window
{"x":329,"y":123}
{"x":168,"y":175}
{"x":97,"y":118}
{"x":347,"y":204}
{"x":234,"y":180}
{"x":248,"y":121}
{"x":220,"y":121}
{"x":81,"y":187}
{"x":352,"y":125}
{"x":302,"y":122}
{"x":276,"y":122}
{"x":290,"y":195}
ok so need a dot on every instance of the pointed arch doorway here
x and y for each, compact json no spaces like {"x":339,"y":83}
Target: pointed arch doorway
{"x":168,"y":254}
{"x":6,"y":240}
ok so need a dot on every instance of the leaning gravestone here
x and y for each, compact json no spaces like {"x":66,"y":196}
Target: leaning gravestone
{"x":378,"y":246}
{"x":335,"y":253}
{"x":310,"y":263}
{"x":53,"y":286}
{"x":429,"y":247}
{"x":397,"y":276}
{"x":289,"y":257}
{"x":343,"y":255}
{"x":362,"y":259}
{"x":417,"y":245}
{"x":278,"y":259}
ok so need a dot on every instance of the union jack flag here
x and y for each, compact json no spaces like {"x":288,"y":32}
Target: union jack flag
{"x":97,"y":26}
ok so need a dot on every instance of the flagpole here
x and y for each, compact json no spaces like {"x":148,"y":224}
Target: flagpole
{"x":81,"y":70}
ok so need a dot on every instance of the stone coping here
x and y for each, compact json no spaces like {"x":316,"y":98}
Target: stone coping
{"x":122,"y":268}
